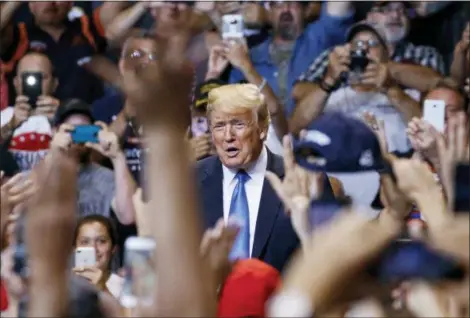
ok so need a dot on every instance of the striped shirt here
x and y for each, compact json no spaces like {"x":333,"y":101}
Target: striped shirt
{"x":404,"y":53}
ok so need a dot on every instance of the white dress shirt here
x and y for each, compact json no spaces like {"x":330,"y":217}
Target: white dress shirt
{"x":253,"y":188}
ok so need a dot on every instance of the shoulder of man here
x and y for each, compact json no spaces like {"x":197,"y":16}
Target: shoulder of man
{"x":205,"y":166}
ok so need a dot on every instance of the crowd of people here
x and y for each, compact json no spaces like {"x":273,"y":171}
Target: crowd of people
{"x":315,"y":166}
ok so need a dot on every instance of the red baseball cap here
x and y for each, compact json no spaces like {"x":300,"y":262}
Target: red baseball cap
{"x":3,"y":297}
{"x":247,"y":289}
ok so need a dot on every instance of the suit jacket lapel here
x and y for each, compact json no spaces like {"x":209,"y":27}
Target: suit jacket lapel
{"x":270,"y":206}
{"x":212,"y":193}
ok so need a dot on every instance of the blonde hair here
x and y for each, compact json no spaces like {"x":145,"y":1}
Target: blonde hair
{"x":234,"y":98}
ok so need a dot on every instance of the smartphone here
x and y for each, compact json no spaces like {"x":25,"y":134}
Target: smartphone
{"x":407,"y":259}
{"x":199,"y":126}
{"x":85,"y":256}
{"x":461,"y":198}
{"x":233,"y":26}
{"x":434,"y":113}
{"x":359,"y":60}
{"x":85,"y":133}
{"x":32,"y":86}
{"x":140,"y":273}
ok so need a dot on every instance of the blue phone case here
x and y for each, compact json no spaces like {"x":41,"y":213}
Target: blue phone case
{"x":85,"y":133}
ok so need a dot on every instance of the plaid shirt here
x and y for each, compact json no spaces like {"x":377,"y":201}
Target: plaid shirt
{"x":406,"y":53}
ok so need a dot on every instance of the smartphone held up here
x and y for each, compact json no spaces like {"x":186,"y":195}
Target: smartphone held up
{"x":32,"y":86}
{"x":85,"y":133}
{"x":233,"y":27}
{"x":140,"y":273}
{"x":434,"y":113}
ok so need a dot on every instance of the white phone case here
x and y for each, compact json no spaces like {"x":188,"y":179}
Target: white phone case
{"x":85,"y":256}
{"x":233,"y":26}
{"x":434,"y":113}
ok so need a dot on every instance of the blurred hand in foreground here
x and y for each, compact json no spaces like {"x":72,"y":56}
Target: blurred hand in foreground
{"x":50,"y":222}
{"x":296,"y":190}
{"x":216,"y":245}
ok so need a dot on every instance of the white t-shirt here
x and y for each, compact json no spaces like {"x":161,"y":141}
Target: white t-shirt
{"x":350,"y":102}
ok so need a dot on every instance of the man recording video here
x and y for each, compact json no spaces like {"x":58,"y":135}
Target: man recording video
{"x":25,"y":126}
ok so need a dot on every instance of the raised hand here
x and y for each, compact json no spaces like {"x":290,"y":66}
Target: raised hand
{"x":47,"y":106}
{"x":422,"y":136}
{"x":453,"y":151}
{"x":108,"y":144}
{"x":217,"y":62}
{"x":338,"y":63}
{"x":378,"y":127}
{"x":52,"y":210}
{"x":397,"y":204}
{"x":143,"y":222}
{"x":50,"y":223}
{"x":337,"y":253}
{"x":201,"y":146}
{"x":216,"y":245}
{"x":377,"y":75}
{"x":236,"y":53}
{"x":296,"y":190}
{"x":159,"y":90}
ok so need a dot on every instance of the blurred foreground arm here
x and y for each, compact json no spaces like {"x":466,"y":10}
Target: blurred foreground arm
{"x":50,"y":223}
{"x":319,"y":275}
{"x":181,"y":274}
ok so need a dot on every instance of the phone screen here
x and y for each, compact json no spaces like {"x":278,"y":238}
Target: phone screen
{"x":85,"y":133}
{"x":462,"y":188}
{"x":199,"y":126}
{"x":233,"y":26}
{"x":32,"y":86}
{"x":140,"y":276}
{"x":434,"y":113}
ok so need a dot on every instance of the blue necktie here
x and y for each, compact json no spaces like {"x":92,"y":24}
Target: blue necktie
{"x":239,"y":210}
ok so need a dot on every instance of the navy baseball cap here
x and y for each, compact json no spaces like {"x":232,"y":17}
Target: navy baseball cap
{"x":71,"y":107}
{"x":341,"y":144}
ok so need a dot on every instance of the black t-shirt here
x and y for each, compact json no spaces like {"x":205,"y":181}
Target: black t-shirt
{"x":82,"y":39}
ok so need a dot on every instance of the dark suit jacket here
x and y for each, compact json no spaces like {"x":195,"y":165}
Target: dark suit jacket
{"x":275,"y":239}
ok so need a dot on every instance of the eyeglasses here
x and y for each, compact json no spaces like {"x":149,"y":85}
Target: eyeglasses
{"x":363,"y":44}
{"x":236,"y":124}
{"x":139,"y":55}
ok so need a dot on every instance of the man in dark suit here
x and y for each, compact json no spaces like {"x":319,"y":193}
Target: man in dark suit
{"x":232,"y":184}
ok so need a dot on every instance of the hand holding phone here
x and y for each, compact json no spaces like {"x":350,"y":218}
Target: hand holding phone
{"x":32,"y":86}
{"x":85,"y":256}
{"x":434,"y":113}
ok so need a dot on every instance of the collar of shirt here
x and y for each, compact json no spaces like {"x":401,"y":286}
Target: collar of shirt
{"x":256,"y":172}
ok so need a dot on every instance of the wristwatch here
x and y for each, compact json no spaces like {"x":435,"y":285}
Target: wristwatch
{"x":327,"y":88}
